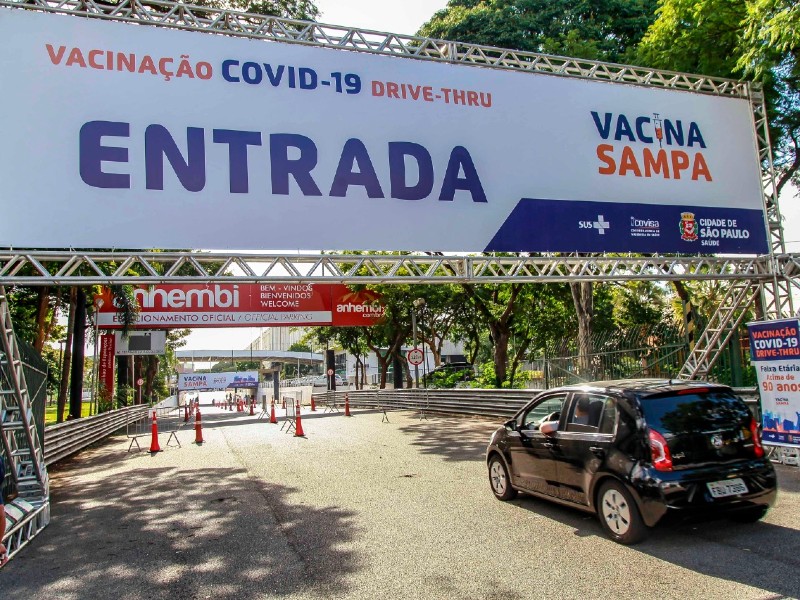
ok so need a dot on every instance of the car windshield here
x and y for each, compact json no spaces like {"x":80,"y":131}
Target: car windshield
{"x":701,"y":426}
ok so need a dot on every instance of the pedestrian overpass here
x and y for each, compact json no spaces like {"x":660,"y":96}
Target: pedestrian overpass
{"x":278,"y":356}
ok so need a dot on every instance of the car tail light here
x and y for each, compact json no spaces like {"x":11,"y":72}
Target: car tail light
{"x":757,"y":447}
{"x":662,"y":459}
{"x":694,"y":390}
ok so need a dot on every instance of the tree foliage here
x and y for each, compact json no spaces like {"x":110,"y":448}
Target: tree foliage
{"x":753,"y":39}
{"x":593,"y":29}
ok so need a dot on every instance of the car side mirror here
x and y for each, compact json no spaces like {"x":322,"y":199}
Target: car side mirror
{"x":511,"y":424}
{"x":549,"y":427}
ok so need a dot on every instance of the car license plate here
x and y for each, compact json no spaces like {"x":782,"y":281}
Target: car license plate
{"x":729,"y":487}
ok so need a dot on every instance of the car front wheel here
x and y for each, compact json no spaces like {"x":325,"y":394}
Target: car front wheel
{"x":619,"y":514}
{"x":499,"y":480}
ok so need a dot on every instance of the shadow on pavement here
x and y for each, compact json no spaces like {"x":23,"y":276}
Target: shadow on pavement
{"x":180,"y":534}
{"x":762,"y":555}
{"x":454,"y":439}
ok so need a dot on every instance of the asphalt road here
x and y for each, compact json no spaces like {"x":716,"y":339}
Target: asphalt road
{"x":363,"y":509}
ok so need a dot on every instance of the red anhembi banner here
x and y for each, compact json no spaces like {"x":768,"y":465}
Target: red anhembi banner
{"x":247,"y":305}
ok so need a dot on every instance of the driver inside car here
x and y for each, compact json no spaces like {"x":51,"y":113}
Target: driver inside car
{"x":549,"y":424}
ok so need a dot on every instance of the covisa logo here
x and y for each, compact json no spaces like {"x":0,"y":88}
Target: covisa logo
{"x":639,"y":148}
{"x":645,"y":223}
{"x":209,"y":297}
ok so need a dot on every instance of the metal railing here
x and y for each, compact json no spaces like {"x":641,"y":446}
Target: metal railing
{"x":477,"y":402}
{"x":67,"y":438}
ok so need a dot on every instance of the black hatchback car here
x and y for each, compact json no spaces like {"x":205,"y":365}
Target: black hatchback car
{"x":636,"y":451}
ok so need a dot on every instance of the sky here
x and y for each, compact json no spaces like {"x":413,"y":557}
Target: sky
{"x":406,"y":17}
{"x":382,"y":15}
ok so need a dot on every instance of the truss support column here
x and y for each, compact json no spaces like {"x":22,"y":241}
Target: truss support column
{"x":776,"y":297}
{"x":721,"y":327}
{"x":29,"y":513}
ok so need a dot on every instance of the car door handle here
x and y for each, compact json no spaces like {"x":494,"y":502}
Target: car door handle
{"x":548,"y":444}
{"x":597,"y":450}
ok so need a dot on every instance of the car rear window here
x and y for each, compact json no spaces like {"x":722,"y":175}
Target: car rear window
{"x":701,"y":427}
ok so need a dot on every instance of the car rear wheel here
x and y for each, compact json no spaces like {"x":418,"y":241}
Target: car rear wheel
{"x":499,"y":480}
{"x":619,"y":514}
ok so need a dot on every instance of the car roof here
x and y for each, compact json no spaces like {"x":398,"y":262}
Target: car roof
{"x":644,"y":387}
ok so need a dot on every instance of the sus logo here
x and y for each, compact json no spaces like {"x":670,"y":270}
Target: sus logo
{"x":688,"y":227}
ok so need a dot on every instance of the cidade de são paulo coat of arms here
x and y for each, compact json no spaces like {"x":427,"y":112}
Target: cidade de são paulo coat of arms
{"x":688,"y":227}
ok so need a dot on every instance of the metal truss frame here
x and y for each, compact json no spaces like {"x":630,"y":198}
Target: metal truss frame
{"x":21,"y":443}
{"x":177,"y":15}
{"x":30,"y":267}
{"x":26,"y":520}
{"x":772,"y":273}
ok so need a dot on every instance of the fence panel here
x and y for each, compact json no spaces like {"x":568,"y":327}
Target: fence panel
{"x":483,"y":403}
{"x":67,"y":438}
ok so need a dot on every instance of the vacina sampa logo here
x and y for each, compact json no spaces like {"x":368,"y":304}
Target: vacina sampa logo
{"x":650,"y":146}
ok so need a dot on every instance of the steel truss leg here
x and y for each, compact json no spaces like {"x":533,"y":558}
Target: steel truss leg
{"x":720,"y":329}
{"x":30,"y":512}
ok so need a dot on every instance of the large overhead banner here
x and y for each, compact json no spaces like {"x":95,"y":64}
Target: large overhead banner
{"x":246,"y":305}
{"x":775,"y":354}
{"x":193,"y":140}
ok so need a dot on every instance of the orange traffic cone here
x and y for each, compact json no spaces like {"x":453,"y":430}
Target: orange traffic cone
{"x":313,"y":407}
{"x":298,"y":425}
{"x":347,"y":406}
{"x":272,"y":418}
{"x":154,"y":447}
{"x":198,"y":429}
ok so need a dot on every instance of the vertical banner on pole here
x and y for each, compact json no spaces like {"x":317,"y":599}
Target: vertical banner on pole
{"x":105,"y":374}
{"x":775,"y":354}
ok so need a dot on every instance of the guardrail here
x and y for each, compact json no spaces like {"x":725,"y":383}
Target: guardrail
{"x":462,"y":401}
{"x":67,"y":438}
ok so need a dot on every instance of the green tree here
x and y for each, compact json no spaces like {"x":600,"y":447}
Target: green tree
{"x":638,"y":303}
{"x":298,"y":370}
{"x":594,"y":29}
{"x":290,"y":9}
{"x":755,"y":39}
{"x":350,"y":339}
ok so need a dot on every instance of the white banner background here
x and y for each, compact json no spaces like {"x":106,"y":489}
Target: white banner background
{"x":537,"y":140}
